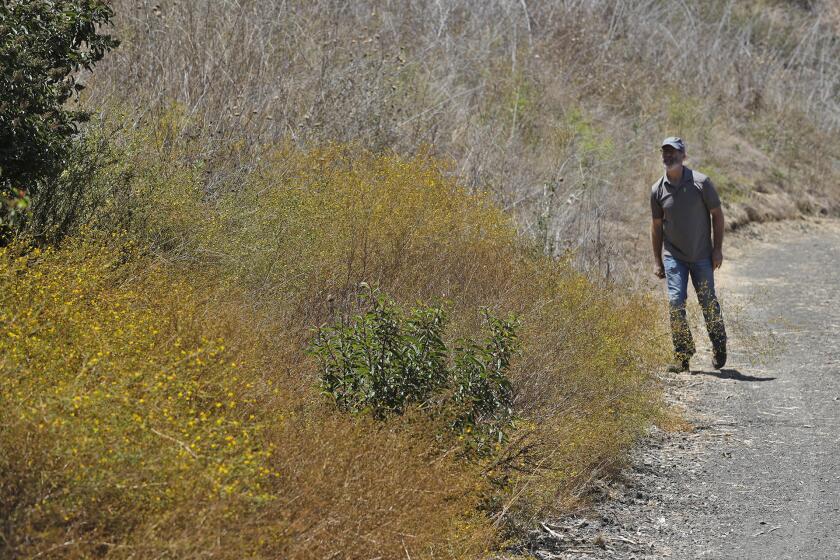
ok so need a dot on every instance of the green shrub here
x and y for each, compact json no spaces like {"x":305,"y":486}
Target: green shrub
{"x":91,"y":176}
{"x":483,"y":391}
{"x":386,"y":359}
{"x":43,"y":44}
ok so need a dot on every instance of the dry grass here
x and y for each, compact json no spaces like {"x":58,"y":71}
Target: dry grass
{"x":131,"y":427}
{"x":181,"y":453}
{"x":673,"y":420}
{"x":555,"y":108}
{"x":261,"y":159}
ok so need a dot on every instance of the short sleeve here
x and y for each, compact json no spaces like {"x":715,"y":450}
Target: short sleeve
{"x":656,"y":211}
{"x":710,"y":195}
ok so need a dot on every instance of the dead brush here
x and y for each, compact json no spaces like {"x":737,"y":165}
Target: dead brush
{"x":492,"y":86}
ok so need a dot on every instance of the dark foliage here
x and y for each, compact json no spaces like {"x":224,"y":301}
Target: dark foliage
{"x":387,"y":359}
{"x":44,"y":44}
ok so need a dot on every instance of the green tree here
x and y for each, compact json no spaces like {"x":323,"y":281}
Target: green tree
{"x":44,"y":44}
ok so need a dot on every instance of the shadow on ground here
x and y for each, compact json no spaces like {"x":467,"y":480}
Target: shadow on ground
{"x":728,"y":373}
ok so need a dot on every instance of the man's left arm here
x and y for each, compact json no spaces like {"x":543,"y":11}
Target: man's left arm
{"x":712,"y":201}
{"x":717,"y":236}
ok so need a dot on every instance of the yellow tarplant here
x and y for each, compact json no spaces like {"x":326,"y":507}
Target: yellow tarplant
{"x":157,"y":400}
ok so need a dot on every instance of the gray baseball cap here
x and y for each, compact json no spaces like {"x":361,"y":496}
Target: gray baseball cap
{"x":674,"y":142}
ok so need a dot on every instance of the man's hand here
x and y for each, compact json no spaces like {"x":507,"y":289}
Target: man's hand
{"x":659,"y":270}
{"x":717,"y":258}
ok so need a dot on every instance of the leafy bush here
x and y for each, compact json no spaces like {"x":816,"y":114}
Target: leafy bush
{"x":386,"y":359}
{"x":483,"y":391}
{"x":43,"y":44}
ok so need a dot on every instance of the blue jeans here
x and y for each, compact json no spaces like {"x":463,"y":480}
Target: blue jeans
{"x":702,"y":275}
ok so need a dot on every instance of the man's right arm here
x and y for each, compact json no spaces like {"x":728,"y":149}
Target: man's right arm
{"x":656,"y":241}
{"x":657,"y":215}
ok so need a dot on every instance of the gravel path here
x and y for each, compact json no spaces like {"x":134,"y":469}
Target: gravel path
{"x":759,"y":475}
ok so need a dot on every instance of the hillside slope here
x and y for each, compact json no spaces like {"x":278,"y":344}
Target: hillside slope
{"x":555,"y":108}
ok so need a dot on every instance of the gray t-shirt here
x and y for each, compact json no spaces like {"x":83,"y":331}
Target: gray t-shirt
{"x":684,"y":209}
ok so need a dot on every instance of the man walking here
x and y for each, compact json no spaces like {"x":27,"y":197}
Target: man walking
{"x":686,"y":211}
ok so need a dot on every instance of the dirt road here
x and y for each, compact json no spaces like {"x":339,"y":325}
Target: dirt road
{"x":759,"y":475}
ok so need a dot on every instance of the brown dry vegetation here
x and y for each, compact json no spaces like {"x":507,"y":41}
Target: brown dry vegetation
{"x":554,"y":107}
{"x":157,"y":400}
{"x":129,"y":433}
{"x":258,"y":160}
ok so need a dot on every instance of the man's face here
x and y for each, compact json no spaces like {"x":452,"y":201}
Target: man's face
{"x":671,"y":156}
